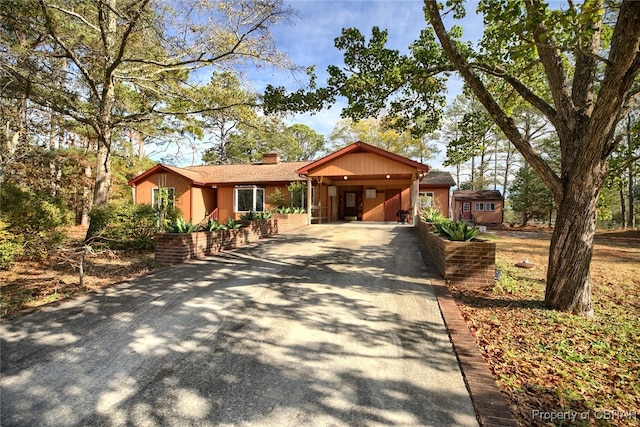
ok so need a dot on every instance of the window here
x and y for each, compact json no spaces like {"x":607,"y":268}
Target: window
{"x":370,"y":193}
{"x":298,"y":199}
{"x":466,"y":207}
{"x":250,"y":198}
{"x":298,"y":194}
{"x":163,"y":198}
{"x":425,"y":199}
{"x":489,"y":206}
{"x":479,"y":206}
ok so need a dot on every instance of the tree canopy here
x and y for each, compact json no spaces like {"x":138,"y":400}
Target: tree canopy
{"x":109,"y":65}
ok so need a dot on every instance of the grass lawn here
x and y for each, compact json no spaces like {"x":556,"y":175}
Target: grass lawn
{"x":552,"y":364}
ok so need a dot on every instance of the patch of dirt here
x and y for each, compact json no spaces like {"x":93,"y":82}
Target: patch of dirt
{"x":30,"y":284}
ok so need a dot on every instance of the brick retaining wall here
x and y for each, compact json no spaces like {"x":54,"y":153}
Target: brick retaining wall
{"x":462,"y":263}
{"x":174,"y":248}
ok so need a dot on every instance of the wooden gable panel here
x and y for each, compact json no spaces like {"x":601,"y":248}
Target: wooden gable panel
{"x":362,"y":164}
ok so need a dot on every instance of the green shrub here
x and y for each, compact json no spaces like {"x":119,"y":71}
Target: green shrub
{"x":276,"y":199}
{"x":432,"y":215}
{"x":10,"y":246}
{"x":457,"y":231}
{"x":283,"y":210}
{"x":181,"y":226}
{"x":263,"y":215}
{"x":232,"y":224}
{"x":213,"y":225}
{"x":123,"y":226}
{"x":252,"y":216}
{"x":36,"y":218}
{"x":249,"y":216}
{"x":32,"y":212}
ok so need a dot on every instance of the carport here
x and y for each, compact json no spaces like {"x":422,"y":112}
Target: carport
{"x":362,"y":183}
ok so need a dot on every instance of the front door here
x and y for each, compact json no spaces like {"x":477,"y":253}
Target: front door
{"x":350,"y":204}
{"x":466,"y":210}
{"x":392,"y":204}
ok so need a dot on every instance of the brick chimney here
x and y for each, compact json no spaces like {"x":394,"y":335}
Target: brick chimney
{"x":270,"y":158}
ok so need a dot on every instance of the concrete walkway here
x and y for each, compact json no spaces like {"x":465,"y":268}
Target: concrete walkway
{"x":335,"y":325}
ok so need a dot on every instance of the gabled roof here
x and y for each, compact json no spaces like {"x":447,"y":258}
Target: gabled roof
{"x":230,"y":174}
{"x":194,"y":177}
{"x":358,"y":147}
{"x":438,"y":179}
{"x":477,"y":195}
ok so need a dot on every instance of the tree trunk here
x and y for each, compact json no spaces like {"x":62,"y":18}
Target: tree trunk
{"x":525,"y":211}
{"x":86,"y":201}
{"x":622,"y":205}
{"x":571,"y":249}
{"x":631,"y":222}
{"x":103,"y":177}
{"x":140,"y":141}
{"x":473,"y":173}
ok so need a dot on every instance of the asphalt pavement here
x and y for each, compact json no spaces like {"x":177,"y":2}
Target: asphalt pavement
{"x":333,"y":325}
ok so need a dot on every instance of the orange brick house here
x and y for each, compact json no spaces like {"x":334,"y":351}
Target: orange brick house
{"x":359,"y":183}
{"x":481,"y":207}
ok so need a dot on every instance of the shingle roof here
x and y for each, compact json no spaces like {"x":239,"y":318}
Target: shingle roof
{"x":249,"y":173}
{"x":186,"y":172}
{"x":437,"y":178}
{"x":231,"y":174}
{"x":477,"y":195}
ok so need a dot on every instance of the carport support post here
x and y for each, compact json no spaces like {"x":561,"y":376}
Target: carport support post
{"x":415,"y":196}
{"x":309,"y":201}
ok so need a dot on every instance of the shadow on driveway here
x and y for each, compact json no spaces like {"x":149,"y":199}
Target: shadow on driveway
{"x":332,"y":325}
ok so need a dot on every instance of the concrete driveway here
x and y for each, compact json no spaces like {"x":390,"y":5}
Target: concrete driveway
{"x":334,"y":325}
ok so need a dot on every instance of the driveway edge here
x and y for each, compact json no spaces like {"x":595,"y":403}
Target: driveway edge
{"x":490,"y":405}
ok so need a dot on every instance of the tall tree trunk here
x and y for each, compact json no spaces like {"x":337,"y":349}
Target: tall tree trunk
{"x":623,"y":211}
{"x":525,"y":190}
{"x":571,"y":249}
{"x":103,"y":177}
{"x":86,"y":200}
{"x":140,"y":141}
{"x":631,"y":222}
{"x":473,"y":173}
{"x":495,"y":166}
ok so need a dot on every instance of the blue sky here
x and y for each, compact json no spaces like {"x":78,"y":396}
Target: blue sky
{"x":309,"y":40}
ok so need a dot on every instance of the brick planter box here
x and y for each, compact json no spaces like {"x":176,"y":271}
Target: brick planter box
{"x":288,"y":222}
{"x":174,"y":248}
{"x":470,"y":263}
